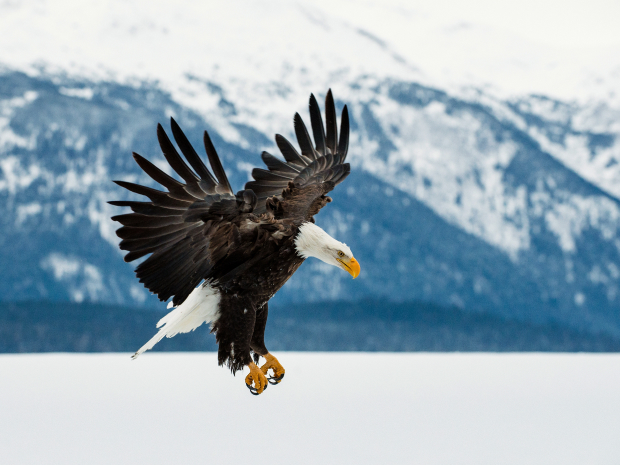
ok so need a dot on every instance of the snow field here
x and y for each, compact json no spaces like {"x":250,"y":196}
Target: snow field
{"x":340,"y":408}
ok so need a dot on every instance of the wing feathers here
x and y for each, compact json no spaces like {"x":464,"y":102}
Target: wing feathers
{"x":264,"y":175}
{"x":317,"y":125}
{"x":259,"y":188}
{"x":136,"y":245}
{"x":157,"y":197}
{"x":176,"y":227}
{"x":162,"y":178}
{"x":331,"y":122}
{"x":216,"y":166}
{"x":278,"y":166}
{"x":321,"y":167}
{"x":343,"y":143}
{"x":192,"y":157}
{"x":147,"y":208}
{"x":288,"y":151}
{"x":174,"y":159}
{"x":303,"y":138}
{"x":145,"y":221}
{"x":132,"y":232}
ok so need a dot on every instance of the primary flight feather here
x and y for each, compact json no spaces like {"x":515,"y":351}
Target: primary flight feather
{"x":221,"y":256}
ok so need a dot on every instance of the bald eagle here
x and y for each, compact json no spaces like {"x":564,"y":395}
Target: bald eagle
{"x":221,"y":256}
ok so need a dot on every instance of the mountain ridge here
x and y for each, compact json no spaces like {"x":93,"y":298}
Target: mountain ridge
{"x":323,"y":326}
{"x":466,"y":209}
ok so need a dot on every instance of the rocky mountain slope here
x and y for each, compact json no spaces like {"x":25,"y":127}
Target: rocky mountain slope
{"x":452,"y":201}
{"x":461,"y":193}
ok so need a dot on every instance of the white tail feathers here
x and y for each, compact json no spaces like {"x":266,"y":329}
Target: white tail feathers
{"x":201,"y":306}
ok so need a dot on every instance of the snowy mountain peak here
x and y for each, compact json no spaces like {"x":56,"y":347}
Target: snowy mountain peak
{"x":493,"y":167}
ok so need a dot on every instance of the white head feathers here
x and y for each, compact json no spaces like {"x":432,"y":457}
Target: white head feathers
{"x":312,"y":241}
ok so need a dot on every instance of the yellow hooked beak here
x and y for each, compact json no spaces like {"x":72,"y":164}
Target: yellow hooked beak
{"x":352,"y":266}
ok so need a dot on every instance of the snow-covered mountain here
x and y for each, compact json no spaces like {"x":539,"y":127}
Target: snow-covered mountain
{"x":462,"y":193}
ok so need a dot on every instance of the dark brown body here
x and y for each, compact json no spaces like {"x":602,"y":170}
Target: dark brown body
{"x":244,"y":302}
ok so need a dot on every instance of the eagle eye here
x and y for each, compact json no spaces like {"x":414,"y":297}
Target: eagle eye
{"x":340,"y":253}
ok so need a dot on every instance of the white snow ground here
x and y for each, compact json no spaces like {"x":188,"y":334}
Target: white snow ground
{"x":332,"y":408}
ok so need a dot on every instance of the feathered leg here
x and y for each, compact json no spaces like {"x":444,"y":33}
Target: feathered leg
{"x":258,"y":346}
{"x":233,"y":333}
{"x":258,"y":336}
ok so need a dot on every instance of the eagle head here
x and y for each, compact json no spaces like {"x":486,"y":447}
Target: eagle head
{"x":312,"y":241}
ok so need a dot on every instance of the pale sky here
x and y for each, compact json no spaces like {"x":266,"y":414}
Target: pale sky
{"x":562,"y":23}
{"x":567,"y":49}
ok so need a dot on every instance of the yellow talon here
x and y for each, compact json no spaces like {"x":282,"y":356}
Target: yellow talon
{"x":273,"y":364}
{"x":257,"y":377}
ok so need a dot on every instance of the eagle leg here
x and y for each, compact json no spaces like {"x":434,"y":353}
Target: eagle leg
{"x":257,"y":377}
{"x":273,"y":365}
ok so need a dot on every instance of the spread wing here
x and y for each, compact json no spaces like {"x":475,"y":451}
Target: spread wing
{"x":295,"y":189}
{"x":186,"y":229}
{"x":198,"y":229}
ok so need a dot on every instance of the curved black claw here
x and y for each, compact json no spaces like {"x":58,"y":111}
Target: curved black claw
{"x":254,"y":391}
{"x":275,"y":379}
